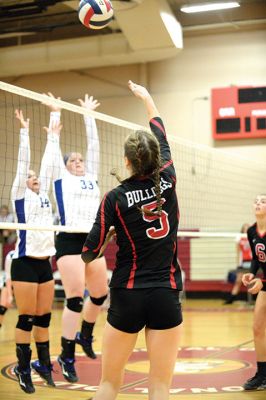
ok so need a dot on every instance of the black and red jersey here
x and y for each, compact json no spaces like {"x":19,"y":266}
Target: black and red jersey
{"x":147,"y":245}
{"x":258,"y":247}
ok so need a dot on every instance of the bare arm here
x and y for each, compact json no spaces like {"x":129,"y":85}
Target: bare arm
{"x":93,"y":147}
{"x":143,"y":94}
{"x":19,"y":184}
{"x":156,"y":123}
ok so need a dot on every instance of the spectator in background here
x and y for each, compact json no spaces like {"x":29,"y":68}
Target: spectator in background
{"x":244,"y":257}
{"x":6,"y":235}
{"x":5,"y":215}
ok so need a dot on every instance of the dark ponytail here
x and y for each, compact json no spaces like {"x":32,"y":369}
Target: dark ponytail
{"x":143,"y":151}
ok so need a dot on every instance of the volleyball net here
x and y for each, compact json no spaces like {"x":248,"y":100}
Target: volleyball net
{"x":215,"y":189}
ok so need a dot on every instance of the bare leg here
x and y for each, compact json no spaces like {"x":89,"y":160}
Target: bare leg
{"x":117,"y":346}
{"x":96,"y":282}
{"x":72,"y":271}
{"x":45,"y":296}
{"x":26,"y":300}
{"x":162,"y":346}
{"x":238,"y":283}
{"x":6,"y":299}
{"x":259,"y":327}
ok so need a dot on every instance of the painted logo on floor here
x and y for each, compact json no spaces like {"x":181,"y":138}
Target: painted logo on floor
{"x":197,"y":370}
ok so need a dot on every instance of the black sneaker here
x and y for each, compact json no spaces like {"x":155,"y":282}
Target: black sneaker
{"x":230,"y":299}
{"x":257,"y":382}
{"x":86,"y":345}
{"x":24,"y":379}
{"x":44,"y":372}
{"x":68,"y":369}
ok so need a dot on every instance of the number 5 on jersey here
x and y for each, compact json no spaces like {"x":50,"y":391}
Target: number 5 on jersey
{"x":163,"y":230}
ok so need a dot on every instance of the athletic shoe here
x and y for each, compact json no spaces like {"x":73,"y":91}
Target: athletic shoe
{"x":24,"y":379}
{"x":44,"y":372}
{"x":230,"y":299}
{"x":68,"y":369}
{"x":257,"y":382}
{"x":86,"y":345}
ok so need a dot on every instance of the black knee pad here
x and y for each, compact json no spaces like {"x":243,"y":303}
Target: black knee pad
{"x":2,"y":310}
{"x":98,"y":301}
{"x":42,"y":320}
{"x":25,"y":322}
{"x":75,"y":304}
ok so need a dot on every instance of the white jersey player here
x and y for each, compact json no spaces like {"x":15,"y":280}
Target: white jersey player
{"x":75,"y":180}
{"x":31,"y":272}
{"x":31,"y":202}
{"x":78,"y":196}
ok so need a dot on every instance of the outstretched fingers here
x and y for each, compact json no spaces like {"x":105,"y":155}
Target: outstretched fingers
{"x":19,"y":115}
{"x":50,"y":104}
{"x":54,"y":128}
{"x":89,"y":102}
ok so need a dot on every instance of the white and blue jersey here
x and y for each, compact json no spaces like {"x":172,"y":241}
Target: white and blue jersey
{"x":78,"y":197}
{"x":32,"y":208}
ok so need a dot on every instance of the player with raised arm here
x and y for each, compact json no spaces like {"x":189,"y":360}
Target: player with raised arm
{"x":31,"y":272}
{"x":78,"y":196}
{"x":146,"y":282}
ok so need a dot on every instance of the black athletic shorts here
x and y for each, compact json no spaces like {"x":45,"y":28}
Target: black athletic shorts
{"x":69,"y":243}
{"x":27,"y":269}
{"x":155,"y":308}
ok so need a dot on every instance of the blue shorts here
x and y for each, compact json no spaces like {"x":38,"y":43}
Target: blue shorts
{"x":133,"y":309}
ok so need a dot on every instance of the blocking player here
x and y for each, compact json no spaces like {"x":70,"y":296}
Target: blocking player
{"x":31,"y":272}
{"x":78,"y":196}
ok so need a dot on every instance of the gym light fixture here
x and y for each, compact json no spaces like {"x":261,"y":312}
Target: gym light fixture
{"x":209,"y":7}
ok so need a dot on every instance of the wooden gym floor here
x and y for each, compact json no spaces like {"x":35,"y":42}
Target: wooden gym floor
{"x":215,"y":358}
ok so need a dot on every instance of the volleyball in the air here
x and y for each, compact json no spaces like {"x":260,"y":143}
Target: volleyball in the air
{"x":95,"y":14}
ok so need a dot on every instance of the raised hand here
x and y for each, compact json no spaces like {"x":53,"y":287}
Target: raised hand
{"x":89,"y":102}
{"x":49,"y":104}
{"x":55,"y":128}
{"x":142,"y":93}
{"x":138,"y":90}
{"x":24,"y":123}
